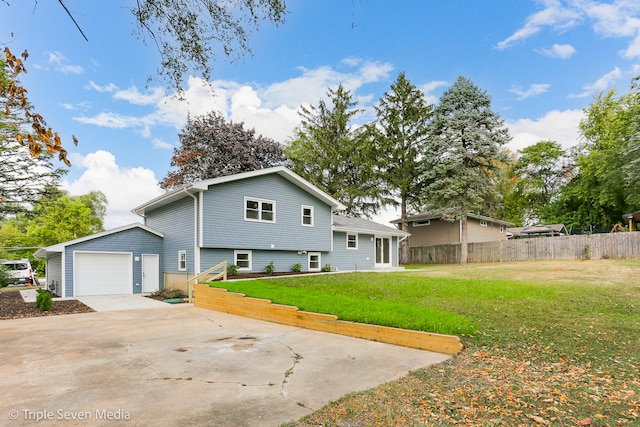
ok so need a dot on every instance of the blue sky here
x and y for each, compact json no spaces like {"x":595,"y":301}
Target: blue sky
{"x":542,"y":62}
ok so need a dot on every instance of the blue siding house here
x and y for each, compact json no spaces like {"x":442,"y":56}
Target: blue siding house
{"x":249,"y":219}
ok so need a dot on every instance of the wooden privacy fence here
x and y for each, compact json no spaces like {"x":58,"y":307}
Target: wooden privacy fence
{"x":591,"y":246}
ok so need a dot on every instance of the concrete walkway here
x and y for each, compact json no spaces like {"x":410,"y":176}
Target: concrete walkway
{"x":178,"y":365}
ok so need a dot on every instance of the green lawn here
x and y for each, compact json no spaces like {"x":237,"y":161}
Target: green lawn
{"x":547,"y":343}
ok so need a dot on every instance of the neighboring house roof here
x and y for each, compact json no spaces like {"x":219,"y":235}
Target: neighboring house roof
{"x":59,"y":247}
{"x":429,"y":215}
{"x":186,"y":189}
{"x":635,"y":215}
{"x":361,"y":225}
{"x":539,"y":230}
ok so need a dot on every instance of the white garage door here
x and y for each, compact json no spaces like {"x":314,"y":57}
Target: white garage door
{"x":102,"y":273}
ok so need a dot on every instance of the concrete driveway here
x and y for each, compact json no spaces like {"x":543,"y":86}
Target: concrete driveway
{"x":178,"y":365}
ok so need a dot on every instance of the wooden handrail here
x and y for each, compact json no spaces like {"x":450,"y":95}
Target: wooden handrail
{"x":197,"y":277}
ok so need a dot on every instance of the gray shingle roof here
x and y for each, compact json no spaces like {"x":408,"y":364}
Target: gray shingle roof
{"x":362,"y":225}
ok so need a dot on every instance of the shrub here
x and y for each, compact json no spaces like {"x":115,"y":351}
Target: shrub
{"x":232,"y":270}
{"x":5,"y":279}
{"x":327,"y":267}
{"x":43,"y":300}
{"x":296,"y":268}
{"x":270,"y":268}
{"x":169,"y":293}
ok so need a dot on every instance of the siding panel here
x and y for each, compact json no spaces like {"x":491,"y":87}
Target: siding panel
{"x":224,"y":225}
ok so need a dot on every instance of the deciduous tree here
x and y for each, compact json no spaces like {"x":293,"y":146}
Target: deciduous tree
{"x":460,"y":163}
{"x":539,"y":173}
{"x":16,"y":113}
{"x":188,"y":32}
{"x":211,"y":147}
{"x":604,"y":181}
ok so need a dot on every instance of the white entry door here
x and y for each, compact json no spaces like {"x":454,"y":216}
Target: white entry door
{"x":150,"y":273}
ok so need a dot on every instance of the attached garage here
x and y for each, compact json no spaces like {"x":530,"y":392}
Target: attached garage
{"x":103,"y":273}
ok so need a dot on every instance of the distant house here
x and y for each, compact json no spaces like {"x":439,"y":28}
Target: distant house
{"x":427,"y":229}
{"x":633,"y":218}
{"x":249,"y":219}
{"x":537,"y":231}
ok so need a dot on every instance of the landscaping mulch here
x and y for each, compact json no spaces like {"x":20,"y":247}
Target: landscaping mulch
{"x":12,"y":306}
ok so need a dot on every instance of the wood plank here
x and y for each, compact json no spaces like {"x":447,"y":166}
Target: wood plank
{"x":256,"y":308}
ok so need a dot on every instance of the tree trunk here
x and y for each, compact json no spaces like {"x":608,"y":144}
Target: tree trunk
{"x":464,"y":240}
{"x":405,"y":252}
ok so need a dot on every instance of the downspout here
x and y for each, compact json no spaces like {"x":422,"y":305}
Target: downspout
{"x":196,"y":248}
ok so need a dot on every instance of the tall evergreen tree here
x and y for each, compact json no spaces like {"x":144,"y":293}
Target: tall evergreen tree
{"x":399,"y":134}
{"x":334,"y":155}
{"x":460,"y":163}
{"x":211,"y":147}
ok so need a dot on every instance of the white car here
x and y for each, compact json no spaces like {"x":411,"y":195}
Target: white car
{"x":20,"y":272}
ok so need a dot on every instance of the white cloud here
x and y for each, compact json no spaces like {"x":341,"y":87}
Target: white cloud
{"x":125,"y":188}
{"x":554,"y":15}
{"x":106,"y":88}
{"x":619,"y":19}
{"x":271,"y":110}
{"x":559,"y":126}
{"x":561,"y":51}
{"x":533,"y":90}
{"x":134,"y":96}
{"x":429,"y":87}
{"x":162,"y":145}
{"x":600,"y":85}
{"x":114,"y":121}
{"x":60,"y":63}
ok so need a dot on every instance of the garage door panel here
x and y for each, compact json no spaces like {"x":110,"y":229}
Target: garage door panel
{"x":102,"y":273}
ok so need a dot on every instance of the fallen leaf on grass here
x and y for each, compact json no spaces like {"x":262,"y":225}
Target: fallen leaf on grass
{"x":585,"y":422}
{"x":539,"y":420}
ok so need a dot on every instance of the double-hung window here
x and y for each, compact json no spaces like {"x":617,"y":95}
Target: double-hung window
{"x":259,"y":210}
{"x":314,"y":261}
{"x":307,"y":216}
{"x":242,"y":259}
{"x":182,"y":260}
{"x":352,"y":241}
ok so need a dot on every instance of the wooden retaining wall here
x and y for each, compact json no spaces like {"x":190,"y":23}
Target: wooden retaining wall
{"x":261,"y":309}
{"x":586,"y":246}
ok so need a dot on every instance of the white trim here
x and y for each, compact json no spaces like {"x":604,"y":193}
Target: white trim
{"x":319,"y":255}
{"x":59,"y":247}
{"x":249,"y":259}
{"x":180,"y":253}
{"x":289,"y":175}
{"x":302,"y":216}
{"x":259,"y":209}
{"x":347,"y":239}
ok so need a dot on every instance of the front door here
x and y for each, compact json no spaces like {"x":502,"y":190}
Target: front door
{"x":150,"y":273}
{"x":383,"y":251}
